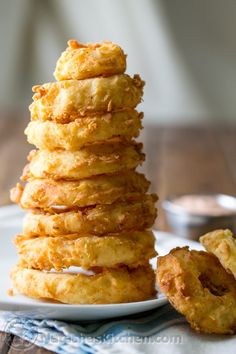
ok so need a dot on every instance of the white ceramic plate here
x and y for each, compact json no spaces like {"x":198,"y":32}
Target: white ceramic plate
{"x":10,"y":224}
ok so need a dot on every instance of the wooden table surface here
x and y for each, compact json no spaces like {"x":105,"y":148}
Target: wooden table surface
{"x":179,"y":160}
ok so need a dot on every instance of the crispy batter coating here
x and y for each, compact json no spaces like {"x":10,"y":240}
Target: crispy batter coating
{"x":87,"y":206}
{"x":108,"y":287}
{"x":74,"y":135}
{"x":223,"y":245}
{"x":198,"y":286}
{"x":67,"y":100}
{"x":97,"y":220}
{"x":91,"y":160}
{"x":82,"y":61}
{"x":104,"y":189}
{"x":45,"y":253}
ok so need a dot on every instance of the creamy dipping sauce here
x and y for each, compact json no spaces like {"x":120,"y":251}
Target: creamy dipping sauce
{"x":204,"y":205}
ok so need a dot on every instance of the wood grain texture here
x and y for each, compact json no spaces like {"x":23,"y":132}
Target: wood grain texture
{"x":190,"y":160}
{"x":13,"y":152}
{"x":5,"y":342}
{"x":178,"y":160}
{"x":19,"y":345}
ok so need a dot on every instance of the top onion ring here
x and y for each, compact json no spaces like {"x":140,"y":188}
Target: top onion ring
{"x":82,"y":61}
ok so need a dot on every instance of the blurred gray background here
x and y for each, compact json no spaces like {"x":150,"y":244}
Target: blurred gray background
{"x":185,"y":50}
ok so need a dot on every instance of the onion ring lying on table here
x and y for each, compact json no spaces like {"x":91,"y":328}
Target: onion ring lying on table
{"x":45,"y":253}
{"x":64,"y":101}
{"x":108,"y":287}
{"x":198,"y":286}
{"x":91,"y":160}
{"x":81,"y":61}
{"x":97,"y":220}
{"x":72,"y":136}
{"x":223,"y":245}
{"x":104,"y":189}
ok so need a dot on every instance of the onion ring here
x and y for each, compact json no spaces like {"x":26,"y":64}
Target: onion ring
{"x":104,"y":189}
{"x":74,"y":135}
{"x":92,"y":160}
{"x":45,"y":253}
{"x":97,"y":220}
{"x":198,"y":286}
{"x":108,"y":287}
{"x":82,"y":61}
{"x":223,"y":245}
{"x":64,"y":101}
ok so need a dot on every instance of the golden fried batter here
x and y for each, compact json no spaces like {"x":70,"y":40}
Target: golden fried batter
{"x":82,"y":61}
{"x":74,"y":135}
{"x":97,"y":220}
{"x":223,"y":245}
{"x":44,"y":253}
{"x":91,"y":160}
{"x":66,"y":100}
{"x":104,"y":189}
{"x":198,"y":286}
{"x":108,"y":287}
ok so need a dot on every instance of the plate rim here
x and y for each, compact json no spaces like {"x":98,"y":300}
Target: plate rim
{"x":161,"y":299}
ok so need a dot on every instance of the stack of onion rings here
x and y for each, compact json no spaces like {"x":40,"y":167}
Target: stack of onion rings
{"x":87,"y":206}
